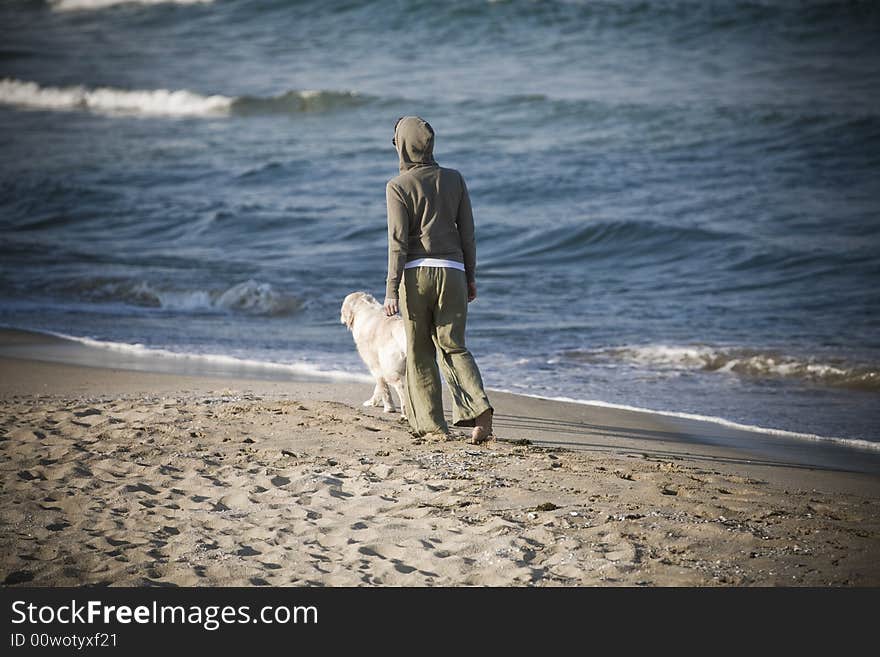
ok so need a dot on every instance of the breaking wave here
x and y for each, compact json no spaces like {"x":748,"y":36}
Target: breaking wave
{"x":741,"y":361}
{"x":168,"y":103}
{"x":249,"y":297}
{"x":105,"y":100}
{"x":80,"y":5}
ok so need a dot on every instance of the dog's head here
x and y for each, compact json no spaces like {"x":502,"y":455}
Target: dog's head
{"x":352,"y":303}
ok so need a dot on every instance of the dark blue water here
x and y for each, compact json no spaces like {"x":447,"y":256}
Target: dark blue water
{"x":676,"y":202}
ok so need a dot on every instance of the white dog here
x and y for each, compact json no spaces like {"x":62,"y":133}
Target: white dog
{"x":381,"y":342}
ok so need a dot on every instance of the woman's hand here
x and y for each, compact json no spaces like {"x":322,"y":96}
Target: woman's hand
{"x":390,"y":307}
{"x":472,"y":290}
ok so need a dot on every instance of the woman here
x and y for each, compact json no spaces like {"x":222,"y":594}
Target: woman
{"x":431,"y":249}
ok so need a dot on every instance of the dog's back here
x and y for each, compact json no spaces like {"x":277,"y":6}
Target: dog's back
{"x":380,"y":340}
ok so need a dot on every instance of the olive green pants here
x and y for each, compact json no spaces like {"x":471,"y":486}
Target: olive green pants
{"x":434,"y":308}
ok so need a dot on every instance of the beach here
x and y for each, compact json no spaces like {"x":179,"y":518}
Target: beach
{"x":130,"y":477}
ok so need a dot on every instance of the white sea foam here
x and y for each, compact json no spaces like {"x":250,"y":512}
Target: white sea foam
{"x":168,"y":103}
{"x":847,"y":442}
{"x":140,"y":351}
{"x":105,"y":100}
{"x":85,"y":5}
{"x":248,"y":297}
{"x":255,"y":297}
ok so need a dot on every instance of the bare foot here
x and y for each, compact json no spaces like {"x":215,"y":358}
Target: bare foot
{"x":482,"y":431}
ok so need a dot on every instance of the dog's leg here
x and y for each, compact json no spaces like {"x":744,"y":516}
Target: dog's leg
{"x":387,"y":399}
{"x":398,"y":386}
{"x":376,"y":399}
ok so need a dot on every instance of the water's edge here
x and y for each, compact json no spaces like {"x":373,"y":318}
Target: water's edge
{"x":59,"y":347}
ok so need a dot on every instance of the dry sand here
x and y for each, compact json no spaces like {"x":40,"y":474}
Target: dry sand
{"x":134,"y":478}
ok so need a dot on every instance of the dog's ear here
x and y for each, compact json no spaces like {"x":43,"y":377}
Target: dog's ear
{"x":346,"y":316}
{"x":351,"y":304}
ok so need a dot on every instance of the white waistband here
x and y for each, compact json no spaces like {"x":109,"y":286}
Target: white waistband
{"x":434,"y":262}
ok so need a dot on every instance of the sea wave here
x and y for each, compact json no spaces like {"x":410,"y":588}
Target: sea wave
{"x":741,"y":361}
{"x":307,"y":100}
{"x":168,"y":103}
{"x":106,"y":100}
{"x":85,"y":5}
{"x":248,"y":297}
{"x":571,"y":242}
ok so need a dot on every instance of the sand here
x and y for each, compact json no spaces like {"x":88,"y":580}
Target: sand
{"x":123,"y":477}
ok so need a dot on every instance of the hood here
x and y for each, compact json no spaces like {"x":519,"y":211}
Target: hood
{"x":414,"y":139}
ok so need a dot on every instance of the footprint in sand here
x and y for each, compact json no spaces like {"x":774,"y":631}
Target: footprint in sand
{"x":134,"y":488}
{"x":18,"y":577}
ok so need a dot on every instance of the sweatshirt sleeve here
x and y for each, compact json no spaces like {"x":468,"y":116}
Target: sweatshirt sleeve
{"x":398,"y":238}
{"x":465,"y":222}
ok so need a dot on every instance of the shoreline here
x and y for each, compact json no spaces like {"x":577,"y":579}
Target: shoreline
{"x":853,"y":443}
{"x":129,"y":477}
{"x":55,"y":346}
{"x":750,"y":444}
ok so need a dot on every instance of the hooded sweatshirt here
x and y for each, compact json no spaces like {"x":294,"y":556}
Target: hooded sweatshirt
{"x":429,"y":210}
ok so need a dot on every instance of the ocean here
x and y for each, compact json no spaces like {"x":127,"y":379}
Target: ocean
{"x":676,"y":202}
